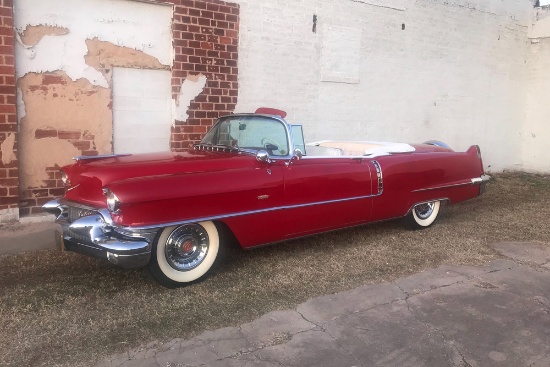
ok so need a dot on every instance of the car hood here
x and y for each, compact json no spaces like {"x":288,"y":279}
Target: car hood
{"x":89,"y":177}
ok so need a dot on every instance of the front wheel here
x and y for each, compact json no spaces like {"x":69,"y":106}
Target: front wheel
{"x":184,"y":254}
{"x":423,"y":215}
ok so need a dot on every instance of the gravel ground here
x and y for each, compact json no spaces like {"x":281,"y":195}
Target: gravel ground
{"x":70,"y":310}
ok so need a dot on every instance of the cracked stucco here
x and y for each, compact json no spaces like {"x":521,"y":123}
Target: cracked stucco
{"x":65,"y":53}
{"x":54,"y":101}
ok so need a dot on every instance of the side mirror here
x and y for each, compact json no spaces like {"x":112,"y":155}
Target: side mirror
{"x":296,"y":157}
{"x":262,"y":156}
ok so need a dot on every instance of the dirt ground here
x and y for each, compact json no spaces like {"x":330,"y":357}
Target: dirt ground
{"x":70,"y":310}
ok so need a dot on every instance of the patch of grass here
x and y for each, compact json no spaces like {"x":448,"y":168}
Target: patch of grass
{"x":70,"y":310}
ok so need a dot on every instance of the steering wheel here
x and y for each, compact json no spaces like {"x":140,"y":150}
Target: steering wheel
{"x":266,"y":142}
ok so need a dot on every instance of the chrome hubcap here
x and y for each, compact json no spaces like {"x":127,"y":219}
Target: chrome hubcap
{"x":186,"y":247}
{"x":423,"y":211}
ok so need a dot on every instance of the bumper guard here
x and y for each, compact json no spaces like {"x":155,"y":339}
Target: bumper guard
{"x":95,"y":235}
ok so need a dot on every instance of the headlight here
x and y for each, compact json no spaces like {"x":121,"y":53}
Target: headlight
{"x":113,"y":204}
{"x":65,"y":179}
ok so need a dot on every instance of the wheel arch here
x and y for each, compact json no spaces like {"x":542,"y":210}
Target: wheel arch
{"x":227,"y":236}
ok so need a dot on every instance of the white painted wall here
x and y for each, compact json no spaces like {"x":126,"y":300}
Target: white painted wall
{"x":142,"y":118}
{"x":456,"y":73}
{"x":536,"y":129}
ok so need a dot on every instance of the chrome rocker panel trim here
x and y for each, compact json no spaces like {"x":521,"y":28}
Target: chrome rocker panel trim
{"x":94,"y":235}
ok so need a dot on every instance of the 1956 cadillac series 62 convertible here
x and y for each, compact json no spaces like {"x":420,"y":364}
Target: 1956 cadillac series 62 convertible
{"x":251,"y":175}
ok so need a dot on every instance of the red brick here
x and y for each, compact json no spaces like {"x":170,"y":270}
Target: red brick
{"x":194,"y":28}
{"x":45,"y":133}
{"x":212,"y":7}
{"x":188,"y":3}
{"x":13,"y":191}
{"x":7,"y":108}
{"x":82,"y":145}
{"x":89,"y":153}
{"x":219,"y":16}
{"x":7,"y":69}
{"x":221,"y":24}
{"x":69,"y":135}
{"x":225,"y":9}
{"x":9,"y":200}
{"x":204,"y":21}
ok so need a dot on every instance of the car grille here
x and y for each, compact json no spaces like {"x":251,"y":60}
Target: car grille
{"x":74,"y":213}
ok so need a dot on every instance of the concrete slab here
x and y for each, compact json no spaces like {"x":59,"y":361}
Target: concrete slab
{"x":429,"y":279}
{"x":27,"y":236}
{"x":323,"y":309}
{"x":497,"y":314}
{"x":536,"y":253}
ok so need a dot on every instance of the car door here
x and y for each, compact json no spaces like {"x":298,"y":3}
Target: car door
{"x":325,"y":193}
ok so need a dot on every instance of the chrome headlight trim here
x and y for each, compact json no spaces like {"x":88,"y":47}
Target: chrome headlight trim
{"x":113,"y":203}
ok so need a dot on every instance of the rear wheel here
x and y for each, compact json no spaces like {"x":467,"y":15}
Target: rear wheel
{"x":184,"y":254}
{"x":423,"y":215}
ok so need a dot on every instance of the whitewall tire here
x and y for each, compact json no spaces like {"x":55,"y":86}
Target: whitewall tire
{"x":423,"y":215}
{"x":184,"y":254}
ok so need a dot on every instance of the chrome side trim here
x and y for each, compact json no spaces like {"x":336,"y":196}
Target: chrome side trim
{"x":473,"y":181}
{"x":480,"y":180}
{"x":92,"y":157}
{"x":379,"y":177}
{"x":249,"y":212}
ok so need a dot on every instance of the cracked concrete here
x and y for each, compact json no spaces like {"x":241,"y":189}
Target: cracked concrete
{"x":497,"y":314}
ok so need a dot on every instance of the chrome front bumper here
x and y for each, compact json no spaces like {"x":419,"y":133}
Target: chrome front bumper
{"x":91,"y":232}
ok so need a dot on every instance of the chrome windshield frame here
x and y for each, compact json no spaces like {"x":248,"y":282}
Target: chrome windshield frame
{"x":279,"y":119}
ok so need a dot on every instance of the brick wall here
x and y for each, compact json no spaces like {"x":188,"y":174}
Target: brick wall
{"x":205,"y":39}
{"x":9,"y":182}
{"x":206,"y":35}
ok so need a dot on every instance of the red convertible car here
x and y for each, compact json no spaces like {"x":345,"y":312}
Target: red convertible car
{"x":251,"y":175}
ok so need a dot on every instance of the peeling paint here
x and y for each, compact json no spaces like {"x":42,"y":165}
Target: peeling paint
{"x":102,"y":54}
{"x":33,"y":34}
{"x":190,"y":89}
{"x":136,"y":25}
{"x":74,"y":108}
{"x":51,"y":54}
{"x":7,"y":146}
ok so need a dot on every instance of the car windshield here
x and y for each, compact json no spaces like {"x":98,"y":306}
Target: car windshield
{"x":249,"y":133}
